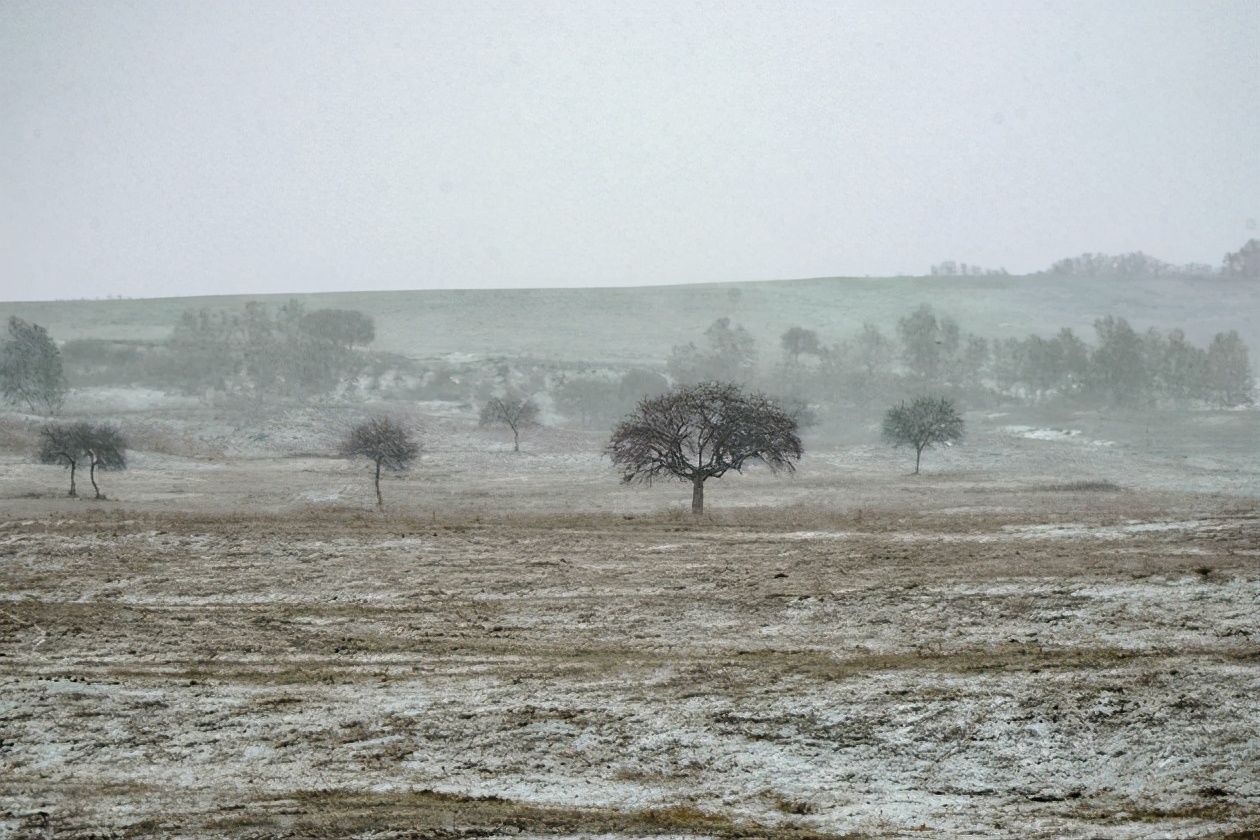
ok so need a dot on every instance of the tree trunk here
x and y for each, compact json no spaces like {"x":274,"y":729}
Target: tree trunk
{"x":73,"y":492}
{"x":516,"y":440}
{"x":918,"y":453}
{"x":92,"y":476}
{"x":697,"y":495}
{"x":380,"y":503}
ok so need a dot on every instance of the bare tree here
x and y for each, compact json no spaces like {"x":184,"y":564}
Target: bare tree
{"x":384,"y":442}
{"x":701,"y":432}
{"x":514,"y":412}
{"x":101,"y":446}
{"x":923,"y":423}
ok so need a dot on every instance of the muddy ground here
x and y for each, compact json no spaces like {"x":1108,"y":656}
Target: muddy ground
{"x":1040,"y":637}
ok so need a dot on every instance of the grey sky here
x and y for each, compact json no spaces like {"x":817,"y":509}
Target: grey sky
{"x":181,"y":148}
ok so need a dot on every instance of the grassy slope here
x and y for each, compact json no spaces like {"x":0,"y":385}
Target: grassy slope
{"x":640,"y":324}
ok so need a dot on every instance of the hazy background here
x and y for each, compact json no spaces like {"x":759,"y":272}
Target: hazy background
{"x":180,"y":148}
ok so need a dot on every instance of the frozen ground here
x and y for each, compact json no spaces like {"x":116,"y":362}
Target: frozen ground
{"x":1037,"y":638}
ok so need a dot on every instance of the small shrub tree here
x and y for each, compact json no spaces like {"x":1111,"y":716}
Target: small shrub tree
{"x":101,"y":447}
{"x":516,"y":413}
{"x":30,"y":368}
{"x":384,"y":442}
{"x":922,"y":424}
{"x":701,"y":432}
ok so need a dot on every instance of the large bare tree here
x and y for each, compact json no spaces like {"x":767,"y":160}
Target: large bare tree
{"x":701,"y":432}
{"x":384,"y":442}
{"x":516,"y":413}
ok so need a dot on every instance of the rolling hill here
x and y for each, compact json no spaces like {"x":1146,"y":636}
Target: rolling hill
{"x":640,"y":324}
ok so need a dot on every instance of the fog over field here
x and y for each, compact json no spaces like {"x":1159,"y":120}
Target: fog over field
{"x":558,"y":420}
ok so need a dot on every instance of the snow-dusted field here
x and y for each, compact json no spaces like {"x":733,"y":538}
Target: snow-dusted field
{"x":1039,"y":637}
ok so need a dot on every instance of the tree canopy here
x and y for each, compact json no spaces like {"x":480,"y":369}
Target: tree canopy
{"x":383,"y":441}
{"x":101,"y":446}
{"x":703,"y":431}
{"x":30,"y":368}
{"x":922,"y":424}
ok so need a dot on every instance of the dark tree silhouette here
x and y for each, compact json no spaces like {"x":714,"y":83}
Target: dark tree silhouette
{"x":30,"y":368}
{"x":701,"y":432}
{"x":925,"y":422}
{"x":101,"y":447}
{"x":384,"y":442}
{"x":798,"y":341}
{"x":107,"y":450}
{"x":61,"y":443}
{"x":514,"y":412}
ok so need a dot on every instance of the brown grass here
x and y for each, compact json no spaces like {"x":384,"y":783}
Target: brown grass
{"x":428,"y":813}
{"x":1081,"y":487}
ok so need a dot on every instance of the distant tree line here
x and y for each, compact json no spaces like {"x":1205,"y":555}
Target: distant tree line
{"x":949,"y":268}
{"x":928,"y":350}
{"x":288,"y":352}
{"x":1126,"y":368}
{"x":1244,"y":262}
{"x":1123,"y":367}
{"x":1135,"y":264}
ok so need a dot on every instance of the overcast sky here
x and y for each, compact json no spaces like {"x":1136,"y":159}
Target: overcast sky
{"x":171,"y":148}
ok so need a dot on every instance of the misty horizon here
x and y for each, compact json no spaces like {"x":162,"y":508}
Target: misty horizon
{"x":158,"y":151}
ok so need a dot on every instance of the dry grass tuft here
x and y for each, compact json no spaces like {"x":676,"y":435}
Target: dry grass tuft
{"x":338,"y":813}
{"x":1080,"y":487}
